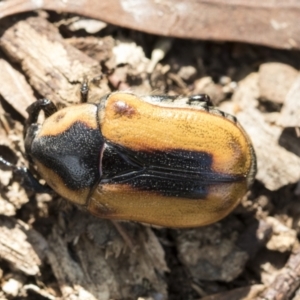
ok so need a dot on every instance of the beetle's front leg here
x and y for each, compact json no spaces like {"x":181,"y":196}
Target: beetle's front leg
{"x":84,"y":90}
{"x":31,"y":126}
{"x":29,"y":182}
{"x":45,"y":105}
{"x":85,"y":87}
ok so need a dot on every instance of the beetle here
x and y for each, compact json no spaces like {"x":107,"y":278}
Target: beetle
{"x":167,"y":161}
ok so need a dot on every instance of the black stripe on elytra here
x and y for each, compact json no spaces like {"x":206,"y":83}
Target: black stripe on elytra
{"x":178,"y":173}
{"x":73,"y":155}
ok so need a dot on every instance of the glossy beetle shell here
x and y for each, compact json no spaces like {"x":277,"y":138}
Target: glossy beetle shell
{"x":156,"y":160}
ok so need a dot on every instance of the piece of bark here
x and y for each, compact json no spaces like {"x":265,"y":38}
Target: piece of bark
{"x":53,"y":66}
{"x":267,"y":265}
{"x":276,"y":166}
{"x":290,"y":112}
{"x":275,"y":81}
{"x":23,"y":247}
{"x":94,"y":272}
{"x":234,"y":20}
{"x":6,"y":208}
{"x":14,"y":88}
{"x":100,"y":49}
{"x":286,"y":282}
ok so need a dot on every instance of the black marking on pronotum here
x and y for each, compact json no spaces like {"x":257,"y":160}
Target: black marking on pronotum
{"x":73,"y":155}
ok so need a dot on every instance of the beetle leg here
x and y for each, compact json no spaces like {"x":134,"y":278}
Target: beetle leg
{"x":203,"y":99}
{"x":84,"y":90}
{"x":85,"y":87}
{"x":29,"y":182}
{"x":161,"y":98}
{"x":35,"y":108}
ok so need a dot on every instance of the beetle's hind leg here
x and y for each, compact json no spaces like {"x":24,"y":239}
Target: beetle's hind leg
{"x":28,"y":181}
{"x":203,"y":100}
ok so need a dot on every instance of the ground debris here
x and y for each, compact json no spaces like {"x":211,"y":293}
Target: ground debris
{"x":275,"y":80}
{"x":50,"y":249}
{"x":88,"y":272}
{"x":23,"y":247}
{"x":54,"y":67}
{"x":286,"y":282}
{"x":283,"y":238}
{"x":276,"y":165}
{"x":290,"y":113}
{"x":211,"y":253}
{"x":21,"y":95}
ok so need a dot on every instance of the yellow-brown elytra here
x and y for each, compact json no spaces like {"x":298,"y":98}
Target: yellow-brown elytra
{"x":174,"y":162}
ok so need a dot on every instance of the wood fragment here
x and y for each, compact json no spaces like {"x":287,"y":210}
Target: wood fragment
{"x":276,"y":166}
{"x":286,"y":283}
{"x":283,"y":238}
{"x":6,"y":208}
{"x":21,"y":246}
{"x":89,"y":272}
{"x":54,"y":67}
{"x":290,"y":113}
{"x":14,"y":88}
{"x":99,"y":49}
{"x":275,"y":80}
